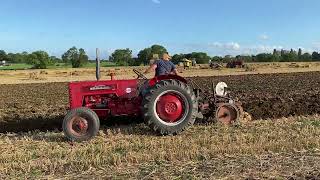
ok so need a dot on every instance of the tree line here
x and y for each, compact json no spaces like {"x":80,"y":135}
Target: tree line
{"x":124,"y":57}
{"x":42,"y":59}
{"x":279,"y":56}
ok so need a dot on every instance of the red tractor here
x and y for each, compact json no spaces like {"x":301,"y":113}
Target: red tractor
{"x":237,"y":63}
{"x":167,"y":104}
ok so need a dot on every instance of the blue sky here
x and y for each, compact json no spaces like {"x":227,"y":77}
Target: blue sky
{"x":214,"y":26}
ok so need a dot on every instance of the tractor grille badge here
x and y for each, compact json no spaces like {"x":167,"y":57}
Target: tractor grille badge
{"x":101,"y":87}
{"x":128,"y":90}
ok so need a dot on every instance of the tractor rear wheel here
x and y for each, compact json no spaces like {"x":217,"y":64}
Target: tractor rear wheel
{"x":169,"y":107}
{"x":81,"y":124}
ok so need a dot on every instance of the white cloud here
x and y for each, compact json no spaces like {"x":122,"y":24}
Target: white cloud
{"x":227,"y":46}
{"x":255,"y":49}
{"x":316,"y":45}
{"x":235,"y":48}
{"x":310,"y":51}
{"x":264,"y":37}
{"x":266,"y":48}
{"x":156,"y":1}
{"x":305,"y":50}
{"x":110,"y":51}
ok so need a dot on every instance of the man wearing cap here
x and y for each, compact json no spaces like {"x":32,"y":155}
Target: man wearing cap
{"x":163,"y":66}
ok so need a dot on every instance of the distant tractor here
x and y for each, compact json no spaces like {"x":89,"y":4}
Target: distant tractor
{"x":215,"y":65}
{"x":237,"y":63}
{"x":168,"y":104}
{"x":186,"y":63}
{"x":194,"y":62}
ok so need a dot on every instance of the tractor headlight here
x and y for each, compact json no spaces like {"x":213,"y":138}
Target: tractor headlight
{"x":221,"y":89}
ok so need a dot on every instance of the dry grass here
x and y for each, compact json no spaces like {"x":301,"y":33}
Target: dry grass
{"x":36,"y":76}
{"x":277,"y":148}
{"x":249,"y":68}
{"x":69,"y":74}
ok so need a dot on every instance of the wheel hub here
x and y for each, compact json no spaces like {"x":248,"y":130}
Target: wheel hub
{"x":227,"y":114}
{"x":79,"y":125}
{"x":169,"y":108}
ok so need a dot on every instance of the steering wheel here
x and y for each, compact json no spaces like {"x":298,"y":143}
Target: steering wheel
{"x":140,"y":75}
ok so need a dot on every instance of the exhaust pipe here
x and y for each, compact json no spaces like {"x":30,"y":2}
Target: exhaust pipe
{"x":97,"y":65}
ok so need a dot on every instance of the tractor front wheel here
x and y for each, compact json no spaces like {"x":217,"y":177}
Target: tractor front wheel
{"x":169,"y":107}
{"x":81,"y":124}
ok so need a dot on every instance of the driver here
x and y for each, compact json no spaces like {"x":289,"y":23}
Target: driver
{"x":163,"y":66}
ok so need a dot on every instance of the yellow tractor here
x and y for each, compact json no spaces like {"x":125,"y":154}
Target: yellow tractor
{"x":186,"y":63}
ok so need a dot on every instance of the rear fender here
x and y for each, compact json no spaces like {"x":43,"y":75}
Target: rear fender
{"x":156,"y":79}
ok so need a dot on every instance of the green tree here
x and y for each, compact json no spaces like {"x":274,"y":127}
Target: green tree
{"x":31,"y":58}
{"x":306,"y":57}
{"x":276,"y":58}
{"x":76,"y":57}
{"x":39,"y":59}
{"x":245,"y":58}
{"x":299,"y":53}
{"x":19,"y":58}
{"x":121,"y":57}
{"x":3,"y":55}
{"x":200,"y":57}
{"x":265,"y":57}
{"x":227,"y":58}
{"x":275,"y":52}
{"x":54,"y":59}
{"x":10,"y":57}
{"x":177,"y":58}
{"x":83,"y":58}
{"x":70,"y":55}
{"x":24,"y":56}
{"x":289,"y":57}
{"x":282,"y":52}
{"x":315,"y":56}
{"x":254,"y":58}
{"x":146,"y":54}
{"x":158,"y":49}
{"x":217,"y":59}
{"x":134,"y":62}
{"x":294,"y":55}
{"x":292,"y":51}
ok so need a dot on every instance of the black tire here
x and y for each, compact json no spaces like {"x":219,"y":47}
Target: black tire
{"x":151,"y":117}
{"x":93,"y":124}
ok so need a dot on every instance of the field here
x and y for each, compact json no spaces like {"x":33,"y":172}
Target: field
{"x":64,"y":74}
{"x":280,"y":149}
{"x":43,"y":105}
{"x":282,"y":142}
{"x":23,"y":66}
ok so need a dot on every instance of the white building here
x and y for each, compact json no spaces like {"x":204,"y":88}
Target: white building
{"x":2,"y":63}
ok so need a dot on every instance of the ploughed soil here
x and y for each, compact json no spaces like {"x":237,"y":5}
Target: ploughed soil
{"x":42,"y":106}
